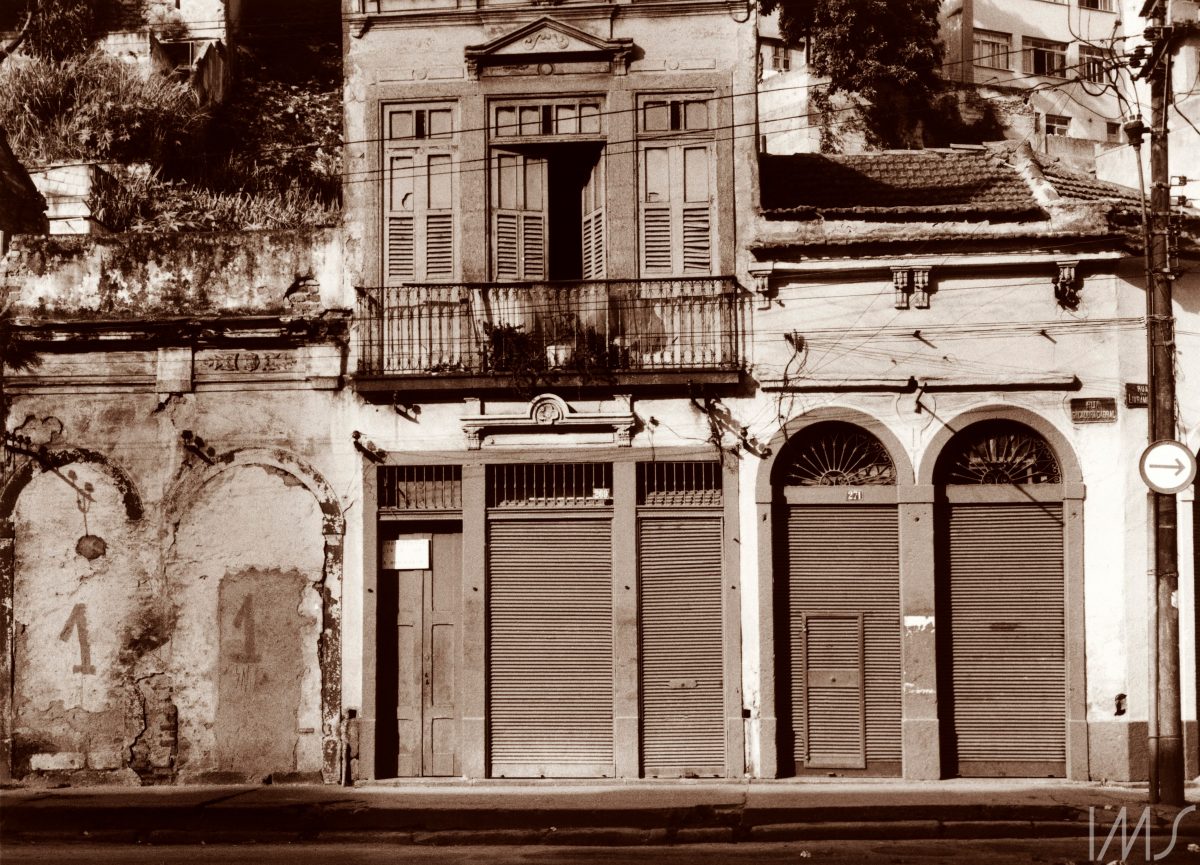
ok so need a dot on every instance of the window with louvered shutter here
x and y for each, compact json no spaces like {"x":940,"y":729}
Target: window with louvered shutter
{"x":593,"y":224}
{"x":419,"y":196}
{"x":677,"y":209}
{"x":518,"y":217}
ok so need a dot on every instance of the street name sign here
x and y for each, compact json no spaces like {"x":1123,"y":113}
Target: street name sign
{"x":1167,"y":467}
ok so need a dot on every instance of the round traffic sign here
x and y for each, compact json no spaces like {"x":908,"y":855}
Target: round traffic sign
{"x":1167,"y":467}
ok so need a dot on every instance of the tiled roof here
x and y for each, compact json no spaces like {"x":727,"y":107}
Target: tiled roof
{"x":929,"y":184}
{"x":1074,"y":186}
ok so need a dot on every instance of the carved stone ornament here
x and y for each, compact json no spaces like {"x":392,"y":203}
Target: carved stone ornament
{"x":543,"y":41}
{"x":550,"y":412}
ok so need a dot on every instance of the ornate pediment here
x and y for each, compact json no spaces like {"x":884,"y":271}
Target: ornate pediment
{"x":547,"y":40}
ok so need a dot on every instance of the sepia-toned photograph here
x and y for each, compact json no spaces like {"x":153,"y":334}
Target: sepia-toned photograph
{"x":562,"y":432}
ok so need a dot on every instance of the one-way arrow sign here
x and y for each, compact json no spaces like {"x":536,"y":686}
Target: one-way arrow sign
{"x":1167,"y":467}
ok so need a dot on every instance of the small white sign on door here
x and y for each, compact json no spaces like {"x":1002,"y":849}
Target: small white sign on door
{"x":406,"y":554}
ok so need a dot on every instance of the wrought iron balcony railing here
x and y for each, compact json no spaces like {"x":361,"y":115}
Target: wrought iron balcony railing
{"x":590,"y":329}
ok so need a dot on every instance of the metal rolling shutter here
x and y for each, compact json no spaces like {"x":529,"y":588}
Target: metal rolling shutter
{"x":845,"y":560}
{"x":1007,"y":638}
{"x":550,"y":665}
{"x":683,"y":689}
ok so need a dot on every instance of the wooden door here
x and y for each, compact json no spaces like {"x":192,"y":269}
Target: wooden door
{"x":428,"y":601}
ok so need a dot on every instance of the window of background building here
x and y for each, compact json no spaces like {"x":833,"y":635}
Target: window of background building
{"x":781,"y":58}
{"x":1044,"y":57}
{"x":992,"y":50}
{"x":1101,"y":5}
{"x":1112,"y":132}
{"x":1057,"y":124}
{"x":1091,"y":64}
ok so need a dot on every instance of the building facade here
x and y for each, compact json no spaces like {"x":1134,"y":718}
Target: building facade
{"x":596,"y":443}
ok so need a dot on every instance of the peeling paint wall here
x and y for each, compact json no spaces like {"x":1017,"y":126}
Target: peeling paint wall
{"x":242,"y":572}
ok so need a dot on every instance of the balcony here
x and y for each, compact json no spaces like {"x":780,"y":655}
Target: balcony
{"x":597,"y":333}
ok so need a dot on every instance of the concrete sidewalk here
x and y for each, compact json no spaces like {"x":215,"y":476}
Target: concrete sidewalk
{"x":591,"y":813}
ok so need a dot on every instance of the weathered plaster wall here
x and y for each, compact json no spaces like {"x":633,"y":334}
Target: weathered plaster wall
{"x":204,"y":642}
{"x":245,"y":557}
{"x":130,"y":276}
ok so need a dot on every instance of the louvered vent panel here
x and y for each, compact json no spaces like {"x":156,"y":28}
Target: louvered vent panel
{"x":656,"y":240}
{"x":596,"y":265}
{"x":588,"y":243}
{"x":533,"y":247}
{"x":845,"y":559}
{"x":697,"y":240}
{"x":683,"y":703}
{"x":400,"y":248}
{"x":550,"y":670}
{"x":1007,"y":636}
{"x":439,"y":246}
{"x":507,"y":255}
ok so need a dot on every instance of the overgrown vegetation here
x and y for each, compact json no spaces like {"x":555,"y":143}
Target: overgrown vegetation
{"x":270,"y":157}
{"x":94,"y":107}
{"x":882,"y":57}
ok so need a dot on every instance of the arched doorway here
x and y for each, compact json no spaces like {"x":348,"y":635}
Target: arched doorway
{"x":837,"y":603}
{"x":1001,"y":590}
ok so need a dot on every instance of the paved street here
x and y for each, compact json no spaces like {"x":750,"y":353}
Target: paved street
{"x":1056,"y":852}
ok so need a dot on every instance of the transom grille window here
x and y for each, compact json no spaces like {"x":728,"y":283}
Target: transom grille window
{"x":834,"y":453}
{"x":1044,"y":57}
{"x":550,"y":485}
{"x":679,"y":484}
{"x":998,"y":452}
{"x":1091,"y":64}
{"x":561,"y":117}
{"x":677,"y":184}
{"x":419,"y":194}
{"x":992,"y":49}
{"x":422,"y":488}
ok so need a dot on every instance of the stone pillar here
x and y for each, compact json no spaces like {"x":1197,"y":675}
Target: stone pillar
{"x":472,"y":667}
{"x":920,"y":730}
{"x":626,"y":752}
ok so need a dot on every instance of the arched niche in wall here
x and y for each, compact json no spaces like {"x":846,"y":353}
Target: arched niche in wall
{"x":270,"y":591}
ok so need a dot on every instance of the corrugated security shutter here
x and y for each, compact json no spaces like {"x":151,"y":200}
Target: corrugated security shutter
{"x":683,"y":689}
{"x":845,"y":560}
{"x":834,"y":728}
{"x":1007,"y":637}
{"x":550,"y":667}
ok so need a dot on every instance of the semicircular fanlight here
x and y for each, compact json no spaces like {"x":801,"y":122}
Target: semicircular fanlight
{"x":833,"y":453}
{"x":999,"y":452}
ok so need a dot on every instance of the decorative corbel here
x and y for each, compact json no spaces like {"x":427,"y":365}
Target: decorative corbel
{"x":1067,"y":285}
{"x":920,"y":287}
{"x":762,"y":287}
{"x":900,"y":286}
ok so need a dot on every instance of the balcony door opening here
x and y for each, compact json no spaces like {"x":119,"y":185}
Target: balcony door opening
{"x":548,"y":212}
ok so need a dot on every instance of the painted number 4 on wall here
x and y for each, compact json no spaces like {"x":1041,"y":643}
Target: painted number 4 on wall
{"x":77,"y":622}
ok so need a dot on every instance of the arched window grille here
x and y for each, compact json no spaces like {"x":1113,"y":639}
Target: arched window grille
{"x":998,"y":452}
{"x":834,"y":453}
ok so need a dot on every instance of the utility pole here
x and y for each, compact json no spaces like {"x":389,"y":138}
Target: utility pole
{"x":1166,"y":744}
